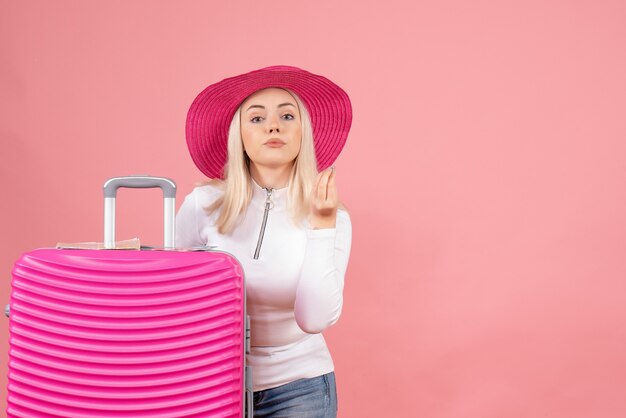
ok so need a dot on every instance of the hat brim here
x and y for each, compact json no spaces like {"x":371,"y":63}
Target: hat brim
{"x":211,"y":113}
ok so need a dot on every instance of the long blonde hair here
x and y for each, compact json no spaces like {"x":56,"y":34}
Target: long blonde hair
{"x":237,"y":183}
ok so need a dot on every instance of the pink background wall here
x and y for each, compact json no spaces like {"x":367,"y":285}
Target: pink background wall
{"x":485,"y":173}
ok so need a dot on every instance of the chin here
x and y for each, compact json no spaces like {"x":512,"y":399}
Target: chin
{"x":277,"y":160}
{"x":276,"y":163}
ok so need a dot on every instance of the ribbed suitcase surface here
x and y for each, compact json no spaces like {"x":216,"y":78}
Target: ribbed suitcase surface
{"x":114,"y":333}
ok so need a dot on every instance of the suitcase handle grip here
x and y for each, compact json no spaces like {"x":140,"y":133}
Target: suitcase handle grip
{"x":168,"y":186}
{"x":140,"y":182}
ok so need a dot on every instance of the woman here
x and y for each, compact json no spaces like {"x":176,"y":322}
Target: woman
{"x":262,"y":137}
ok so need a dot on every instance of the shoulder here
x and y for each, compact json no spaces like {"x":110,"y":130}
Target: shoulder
{"x":204,"y":195}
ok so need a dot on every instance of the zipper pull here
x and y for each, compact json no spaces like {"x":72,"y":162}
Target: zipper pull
{"x":269,"y":205}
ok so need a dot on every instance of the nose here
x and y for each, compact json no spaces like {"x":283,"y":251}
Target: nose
{"x":273,"y":125}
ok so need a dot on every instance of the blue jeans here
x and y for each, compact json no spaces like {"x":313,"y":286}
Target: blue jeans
{"x":304,"y":398}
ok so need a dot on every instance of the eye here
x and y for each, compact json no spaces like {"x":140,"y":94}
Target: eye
{"x":288,"y":116}
{"x":256,"y":119}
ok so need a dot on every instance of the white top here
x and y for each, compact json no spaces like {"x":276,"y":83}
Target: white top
{"x":294,"y":289}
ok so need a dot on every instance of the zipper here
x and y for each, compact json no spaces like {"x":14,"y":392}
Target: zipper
{"x":268,"y":207}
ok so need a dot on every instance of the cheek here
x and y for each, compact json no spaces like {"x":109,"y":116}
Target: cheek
{"x":247,"y":135}
{"x":298,"y":137}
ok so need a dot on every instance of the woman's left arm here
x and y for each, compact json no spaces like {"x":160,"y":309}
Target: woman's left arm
{"x":319,"y":295}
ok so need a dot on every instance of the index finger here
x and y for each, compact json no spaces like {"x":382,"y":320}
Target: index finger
{"x":330,"y":184}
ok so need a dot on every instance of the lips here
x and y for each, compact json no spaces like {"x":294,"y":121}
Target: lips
{"x":275,"y":142}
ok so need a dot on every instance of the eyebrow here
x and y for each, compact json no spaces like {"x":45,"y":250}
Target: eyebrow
{"x":263,"y":107}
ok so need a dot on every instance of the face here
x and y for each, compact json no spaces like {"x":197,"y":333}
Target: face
{"x":271,"y":128}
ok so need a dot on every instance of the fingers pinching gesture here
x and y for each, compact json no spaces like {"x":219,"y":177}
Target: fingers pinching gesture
{"x":324,"y":200}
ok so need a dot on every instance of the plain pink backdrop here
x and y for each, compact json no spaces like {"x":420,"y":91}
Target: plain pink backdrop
{"x":485,"y":173}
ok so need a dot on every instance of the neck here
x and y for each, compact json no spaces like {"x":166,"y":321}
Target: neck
{"x":271,"y":177}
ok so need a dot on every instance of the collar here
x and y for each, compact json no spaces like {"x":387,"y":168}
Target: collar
{"x":259,"y":196}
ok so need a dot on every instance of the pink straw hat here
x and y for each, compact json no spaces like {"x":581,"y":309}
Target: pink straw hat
{"x":212,"y":111}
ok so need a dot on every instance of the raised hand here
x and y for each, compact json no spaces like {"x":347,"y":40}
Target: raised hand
{"x":324,"y":200}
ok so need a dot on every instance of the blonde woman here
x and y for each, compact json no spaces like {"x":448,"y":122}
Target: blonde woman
{"x":267,"y":140}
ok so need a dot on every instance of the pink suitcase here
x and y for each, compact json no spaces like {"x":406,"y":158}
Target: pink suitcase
{"x":126,"y":333}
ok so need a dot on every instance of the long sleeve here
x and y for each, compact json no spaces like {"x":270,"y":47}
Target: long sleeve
{"x":319,"y":295}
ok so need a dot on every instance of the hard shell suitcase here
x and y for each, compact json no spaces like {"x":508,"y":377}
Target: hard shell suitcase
{"x":127,"y":333}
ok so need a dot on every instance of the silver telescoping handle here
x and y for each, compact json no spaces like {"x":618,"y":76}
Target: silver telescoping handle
{"x":139,"y":182}
{"x":248,"y":394}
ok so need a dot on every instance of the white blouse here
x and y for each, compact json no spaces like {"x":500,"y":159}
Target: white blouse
{"x":294,"y":287}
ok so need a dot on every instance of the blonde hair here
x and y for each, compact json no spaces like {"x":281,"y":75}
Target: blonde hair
{"x":237,"y":183}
